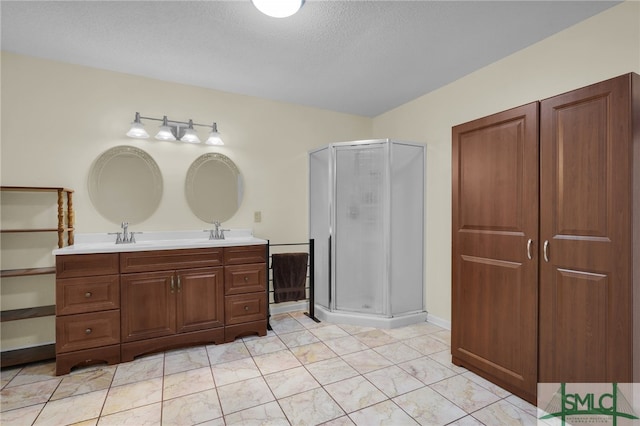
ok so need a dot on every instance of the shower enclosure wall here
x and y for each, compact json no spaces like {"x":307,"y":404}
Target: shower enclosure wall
{"x":366,"y":204}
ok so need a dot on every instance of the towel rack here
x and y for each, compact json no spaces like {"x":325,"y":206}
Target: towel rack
{"x":310,"y":276}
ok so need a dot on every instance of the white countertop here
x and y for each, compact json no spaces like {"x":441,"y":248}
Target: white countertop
{"x":168,"y":240}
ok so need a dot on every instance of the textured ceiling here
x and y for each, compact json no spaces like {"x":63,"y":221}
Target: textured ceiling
{"x":359,"y":57}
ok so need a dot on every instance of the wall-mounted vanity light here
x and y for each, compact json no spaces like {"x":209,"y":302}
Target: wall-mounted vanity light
{"x":172,"y":130}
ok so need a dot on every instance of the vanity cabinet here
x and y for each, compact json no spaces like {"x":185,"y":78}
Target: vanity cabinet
{"x":112,"y":307}
{"x":87,"y":310}
{"x":176,"y":299}
{"x":245,"y":291}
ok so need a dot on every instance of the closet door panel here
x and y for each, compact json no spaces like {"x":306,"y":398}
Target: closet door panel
{"x":585,"y":218}
{"x":495,"y":214}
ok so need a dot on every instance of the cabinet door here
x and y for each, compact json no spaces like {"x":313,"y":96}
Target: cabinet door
{"x":200,"y":299}
{"x":494,"y":234}
{"x":585,"y":303}
{"x":148,"y":305}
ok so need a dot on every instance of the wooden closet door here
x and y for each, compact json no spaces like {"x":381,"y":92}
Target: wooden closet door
{"x":494,"y":266}
{"x":585,"y":293}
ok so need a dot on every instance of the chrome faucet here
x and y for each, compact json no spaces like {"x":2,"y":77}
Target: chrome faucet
{"x":216,"y":233}
{"x":125,"y":237}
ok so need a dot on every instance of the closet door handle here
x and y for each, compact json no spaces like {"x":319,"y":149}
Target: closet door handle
{"x":529,"y":248}
{"x":179,"y":284}
{"x":546,"y":250}
{"x":173,"y":286}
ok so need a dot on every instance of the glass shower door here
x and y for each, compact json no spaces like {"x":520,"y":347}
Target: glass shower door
{"x":359,"y":234}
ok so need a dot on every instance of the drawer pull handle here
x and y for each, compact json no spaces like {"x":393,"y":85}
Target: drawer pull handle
{"x":246,"y":278}
{"x":88,"y":294}
{"x":88,"y":331}
{"x":246,"y":308}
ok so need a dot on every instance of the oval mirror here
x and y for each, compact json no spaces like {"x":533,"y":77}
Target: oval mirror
{"x":214,"y":187}
{"x":125,"y":184}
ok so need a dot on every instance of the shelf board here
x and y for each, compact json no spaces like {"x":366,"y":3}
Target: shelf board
{"x":34,"y":189}
{"x":26,"y":313}
{"x":27,"y":355}
{"x":38,"y":230}
{"x":27,"y":272}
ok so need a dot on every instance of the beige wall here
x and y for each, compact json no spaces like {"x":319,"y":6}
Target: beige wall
{"x":605,"y":46}
{"x":57,"y":118}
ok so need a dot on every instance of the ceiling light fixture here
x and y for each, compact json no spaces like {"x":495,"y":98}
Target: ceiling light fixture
{"x":172,"y":130}
{"x":278,"y":8}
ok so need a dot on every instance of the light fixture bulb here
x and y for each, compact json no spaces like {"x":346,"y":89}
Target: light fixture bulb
{"x":214,"y":136}
{"x":137,"y":130}
{"x":278,"y":8}
{"x":165,"y":133}
{"x":190,"y":134}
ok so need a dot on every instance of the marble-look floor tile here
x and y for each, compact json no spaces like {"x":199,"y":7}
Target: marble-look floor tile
{"x":91,"y":380}
{"x":444,"y":358}
{"x":465,"y":393}
{"x":504,"y":413}
{"x":313,"y":352}
{"x":138,"y":370}
{"x":265,"y":345}
{"x":187,"y":382}
{"x":355,"y":393}
{"x":242,"y":395}
{"x":276,"y":361}
{"x":285,"y":324}
{"x":366,"y":361}
{"x":345,"y":345}
{"x":413,"y":330}
{"x":331,"y":370}
{"x":426,"y":344}
{"x":329,"y":332}
{"x":355,"y":329}
{"x":397,"y":352}
{"x":30,"y":394}
{"x":340,"y":421}
{"x":393,"y":381}
{"x":21,"y":416}
{"x":444,"y":336}
{"x":426,"y":370}
{"x":467,"y":421}
{"x":311,"y":407}
{"x":219,"y":354}
{"x":191,"y":409}
{"x":72,"y":410}
{"x":147,"y":415}
{"x":133,"y":395}
{"x":384,"y":413}
{"x":234,"y":371}
{"x":428,"y":407}
{"x":187,"y":359}
{"x":289,"y":382}
{"x":266,"y":414}
{"x":375,"y":338}
{"x":33,"y":373}
{"x":486,"y":384}
{"x":7,"y":374}
{"x":523,"y":405}
{"x":298,"y":338}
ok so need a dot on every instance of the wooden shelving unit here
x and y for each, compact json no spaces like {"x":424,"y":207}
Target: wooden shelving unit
{"x":63,"y":229}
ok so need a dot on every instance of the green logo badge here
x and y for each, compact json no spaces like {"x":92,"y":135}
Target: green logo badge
{"x":589,"y":406}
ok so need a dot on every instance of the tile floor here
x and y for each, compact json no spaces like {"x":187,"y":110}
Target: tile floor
{"x":301,"y":373}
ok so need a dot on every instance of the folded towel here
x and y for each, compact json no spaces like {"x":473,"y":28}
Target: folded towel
{"x":289,"y":276}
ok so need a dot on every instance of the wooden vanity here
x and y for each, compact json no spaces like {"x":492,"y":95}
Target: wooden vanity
{"x":112,"y":307}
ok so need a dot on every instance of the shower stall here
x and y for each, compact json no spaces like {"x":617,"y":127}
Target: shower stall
{"x":366,"y":215}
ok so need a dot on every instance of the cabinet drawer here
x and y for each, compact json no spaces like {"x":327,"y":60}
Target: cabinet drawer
{"x":164,"y":260}
{"x":84,"y":331}
{"x":88,"y":294}
{"x":249,"y":278}
{"x":86,"y":265}
{"x":245,"y":254}
{"x":245,"y":307}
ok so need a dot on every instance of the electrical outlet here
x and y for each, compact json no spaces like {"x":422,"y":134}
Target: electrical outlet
{"x":257,"y":217}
